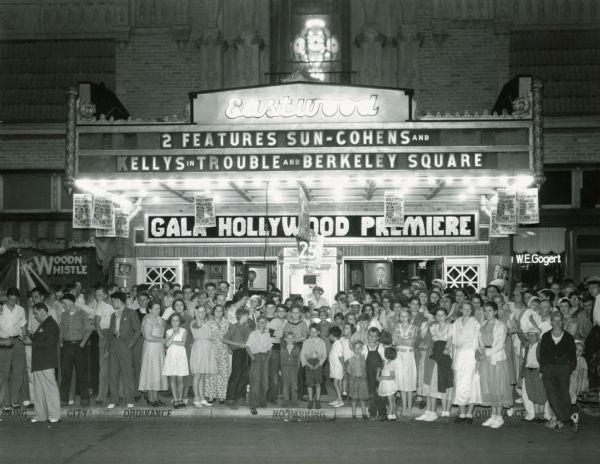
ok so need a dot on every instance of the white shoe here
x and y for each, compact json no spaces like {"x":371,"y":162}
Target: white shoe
{"x":499,"y":422}
{"x":432,"y":417}
{"x":510,"y":412}
{"x":423,"y":416}
{"x":489,"y":422}
{"x":111,"y":406}
{"x":338,"y":404}
{"x":33,"y":420}
{"x":205,"y":403}
{"x":71,"y":402}
{"x":332,"y":403}
{"x":26,"y":403}
{"x":54,"y":421}
{"x":197,"y":404}
{"x":130,"y":405}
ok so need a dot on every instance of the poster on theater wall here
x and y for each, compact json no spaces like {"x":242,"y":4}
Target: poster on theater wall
{"x":528,"y":206}
{"x":500,"y":230}
{"x":82,"y":210}
{"x":506,"y":210}
{"x":121,"y":224}
{"x":103,"y":214}
{"x":204,"y":207}
{"x":393,"y":210}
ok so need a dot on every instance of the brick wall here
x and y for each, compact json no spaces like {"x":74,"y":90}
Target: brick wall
{"x":39,"y":152}
{"x":154,"y":76}
{"x":466,"y":71}
{"x":571,"y":146}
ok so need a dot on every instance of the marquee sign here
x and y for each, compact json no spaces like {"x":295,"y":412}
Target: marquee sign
{"x":171,"y":228}
{"x":306,"y":162}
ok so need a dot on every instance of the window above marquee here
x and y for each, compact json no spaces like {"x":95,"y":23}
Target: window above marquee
{"x":310,"y":41}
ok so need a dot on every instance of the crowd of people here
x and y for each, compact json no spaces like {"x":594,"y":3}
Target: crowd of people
{"x":378,"y":351}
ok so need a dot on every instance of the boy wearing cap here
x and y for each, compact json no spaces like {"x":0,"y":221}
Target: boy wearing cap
{"x":75,"y":329}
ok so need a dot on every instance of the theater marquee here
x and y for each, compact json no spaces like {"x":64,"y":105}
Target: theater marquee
{"x":171,"y":228}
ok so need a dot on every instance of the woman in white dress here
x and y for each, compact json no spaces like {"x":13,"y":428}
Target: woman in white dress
{"x":176,"y":362}
{"x":463,"y":342}
{"x":202,"y":358}
{"x":152,"y":379}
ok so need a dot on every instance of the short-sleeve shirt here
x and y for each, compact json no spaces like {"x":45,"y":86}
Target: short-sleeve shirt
{"x":238,"y":333}
{"x":104,"y":311}
{"x":11,"y":321}
{"x":259,"y":342}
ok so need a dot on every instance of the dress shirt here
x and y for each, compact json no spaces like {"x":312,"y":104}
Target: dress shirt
{"x":11,"y":321}
{"x":75,"y":326}
{"x":259,"y":342}
{"x":118,"y":315}
{"x":312,"y":346}
{"x":104,"y":311}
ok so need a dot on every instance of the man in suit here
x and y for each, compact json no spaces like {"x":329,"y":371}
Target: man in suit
{"x":44,"y":362}
{"x":592,"y":342}
{"x":125,"y":331}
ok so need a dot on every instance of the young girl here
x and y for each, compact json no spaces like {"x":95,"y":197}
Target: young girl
{"x":387,"y":383}
{"x":405,"y":338}
{"x":312,"y":357}
{"x":336,"y":364}
{"x":356,"y":368}
{"x":347,"y":332}
{"x":202,"y":358}
{"x":176,"y":363}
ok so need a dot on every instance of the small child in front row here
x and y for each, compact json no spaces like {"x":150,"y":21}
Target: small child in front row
{"x":579,"y":382}
{"x":312,"y":357}
{"x":290,"y":364}
{"x":387,"y":382}
{"x":356,"y":368}
{"x":336,"y":364}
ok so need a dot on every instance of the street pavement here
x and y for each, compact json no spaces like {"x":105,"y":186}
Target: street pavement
{"x":288,"y":440}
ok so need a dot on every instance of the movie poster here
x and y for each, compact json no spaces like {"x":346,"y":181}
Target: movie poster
{"x":393,"y":210}
{"x":528,"y":206}
{"x":103,"y":214}
{"x":204,"y":211}
{"x":500,"y":230}
{"x":506,"y":210}
{"x":82,"y":210}
{"x":121,"y":224}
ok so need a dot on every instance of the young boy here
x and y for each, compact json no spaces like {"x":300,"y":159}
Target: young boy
{"x":356,"y":368}
{"x":290,"y":362}
{"x":362,"y":329}
{"x":258,"y":348}
{"x":275,"y":328}
{"x":312,"y":356}
{"x":236,"y":338}
{"x":579,"y":382}
{"x":336,"y":364}
{"x":374,"y":353}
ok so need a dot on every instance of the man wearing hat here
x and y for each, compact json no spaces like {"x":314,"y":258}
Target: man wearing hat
{"x":315,"y":299}
{"x":75,"y":329}
{"x":125,"y":330}
{"x":592,"y":343}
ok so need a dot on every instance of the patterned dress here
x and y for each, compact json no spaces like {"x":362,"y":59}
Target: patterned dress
{"x":153,"y":357}
{"x":216,"y":386}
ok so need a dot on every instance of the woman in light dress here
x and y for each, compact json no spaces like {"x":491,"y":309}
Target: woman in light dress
{"x":405,"y":339}
{"x":152,"y":379}
{"x":202,"y":358}
{"x":217,"y":383}
{"x":176,"y":361}
{"x":463,"y":342}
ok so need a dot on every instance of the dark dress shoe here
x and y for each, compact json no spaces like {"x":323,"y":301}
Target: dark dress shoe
{"x":253,"y":411}
{"x":160,"y":403}
{"x":459,"y":420}
{"x":468,"y":420}
{"x":84,"y":403}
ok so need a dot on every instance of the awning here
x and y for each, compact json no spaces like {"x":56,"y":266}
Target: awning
{"x":542,"y":240}
{"x":43,"y":235}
